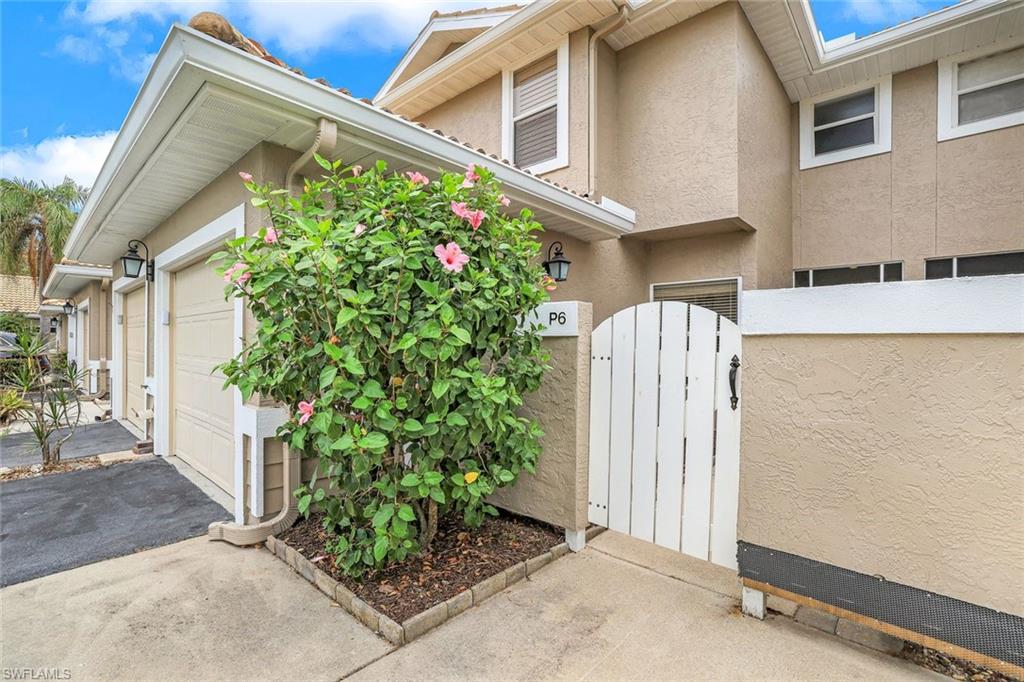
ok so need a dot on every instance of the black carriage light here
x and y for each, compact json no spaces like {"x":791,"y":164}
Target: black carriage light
{"x":132,"y":262}
{"x":557,"y":266}
{"x":69,"y":307}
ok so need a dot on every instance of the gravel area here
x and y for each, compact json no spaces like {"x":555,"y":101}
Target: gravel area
{"x":956,"y":668}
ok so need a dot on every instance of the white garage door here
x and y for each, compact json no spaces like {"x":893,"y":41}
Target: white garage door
{"x":135,"y":354}
{"x":201,"y":338}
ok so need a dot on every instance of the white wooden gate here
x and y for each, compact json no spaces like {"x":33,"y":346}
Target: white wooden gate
{"x":664,"y":430}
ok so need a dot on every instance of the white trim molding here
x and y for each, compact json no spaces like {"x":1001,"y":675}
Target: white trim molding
{"x":969,"y":305}
{"x":119,"y":289}
{"x":561,"y":160}
{"x":192,"y":248}
{"x":949,"y":127}
{"x":882,"y":119}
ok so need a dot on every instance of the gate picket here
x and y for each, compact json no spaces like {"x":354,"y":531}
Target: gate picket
{"x":600,"y":410}
{"x":621,"y":437}
{"x":645,"y":420}
{"x":664,"y":439}
{"x":669,"y":508}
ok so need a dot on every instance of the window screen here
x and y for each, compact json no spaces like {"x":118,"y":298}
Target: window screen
{"x":534,"y":112}
{"x":990,"y":86}
{"x":975,"y":266}
{"x":858,"y":274}
{"x":844,"y":122}
{"x":722,"y":296}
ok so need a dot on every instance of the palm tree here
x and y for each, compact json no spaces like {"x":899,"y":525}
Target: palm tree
{"x":35,"y":221}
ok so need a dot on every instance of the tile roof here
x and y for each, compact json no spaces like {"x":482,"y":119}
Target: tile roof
{"x":18,"y":293}
{"x":218,"y":27}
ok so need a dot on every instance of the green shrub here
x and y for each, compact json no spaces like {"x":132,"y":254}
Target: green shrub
{"x":387,"y":311}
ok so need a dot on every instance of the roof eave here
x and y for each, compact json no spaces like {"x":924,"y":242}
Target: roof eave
{"x":65,"y":279}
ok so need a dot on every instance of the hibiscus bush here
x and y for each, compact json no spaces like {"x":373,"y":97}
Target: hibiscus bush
{"x":388,"y":313}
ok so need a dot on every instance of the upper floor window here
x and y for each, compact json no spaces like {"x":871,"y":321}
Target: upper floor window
{"x":1010,"y":263}
{"x":980,"y":92}
{"x":855,"y":274}
{"x":535,"y":111}
{"x":852,"y":123}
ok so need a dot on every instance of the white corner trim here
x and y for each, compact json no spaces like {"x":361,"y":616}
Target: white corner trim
{"x":258,"y":423}
{"x":949,"y":127}
{"x":967,"y":305}
{"x":561,"y":160}
{"x":197,"y":245}
{"x":883,"y":125}
{"x":119,"y":289}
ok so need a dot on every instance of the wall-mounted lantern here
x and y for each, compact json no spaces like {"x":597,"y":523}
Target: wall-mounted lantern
{"x":557,"y":266}
{"x":132,"y":262}
{"x":53,"y":325}
{"x":69,"y":307}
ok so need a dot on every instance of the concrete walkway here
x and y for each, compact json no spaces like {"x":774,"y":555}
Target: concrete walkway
{"x":599,"y":615}
{"x":21,"y":449}
{"x":195,"y":610}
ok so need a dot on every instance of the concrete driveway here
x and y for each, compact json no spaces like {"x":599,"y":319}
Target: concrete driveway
{"x":53,"y":523}
{"x":195,"y":610}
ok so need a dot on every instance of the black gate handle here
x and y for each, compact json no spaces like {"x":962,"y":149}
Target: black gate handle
{"x":735,"y":367}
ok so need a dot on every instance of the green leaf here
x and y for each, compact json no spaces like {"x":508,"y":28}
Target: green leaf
{"x":380,"y":547}
{"x":327,"y":375}
{"x":430,"y":330}
{"x":406,"y":513}
{"x":438,"y":495}
{"x":440,"y":387}
{"x":346,"y":315}
{"x":429,"y":288}
{"x":433,"y":477}
{"x":383,"y":515}
{"x":456,"y":419}
{"x":373,"y":441}
{"x":412,"y":425}
{"x":411,"y":481}
{"x":461,"y":334}
{"x":333,"y":351}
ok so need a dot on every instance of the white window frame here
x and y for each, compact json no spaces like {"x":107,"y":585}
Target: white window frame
{"x":883,"y":125}
{"x":956,"y":262}
{"x":561,"y":159}
{"x":948,"y":100}
{"x":881,"y":272}
{"x":711,"y":280}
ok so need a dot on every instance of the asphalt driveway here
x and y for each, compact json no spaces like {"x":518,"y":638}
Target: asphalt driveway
{"x":20,"y":449}
{"x":57,"y":522}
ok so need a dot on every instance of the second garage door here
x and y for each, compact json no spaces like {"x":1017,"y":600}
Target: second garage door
{"x":201,"y":338}
{"x":134,"y":359}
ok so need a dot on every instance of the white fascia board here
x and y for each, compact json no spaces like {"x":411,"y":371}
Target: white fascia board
{"x":821,"y":59}
{"x":968,"y":305}
{"x":440,"y":25}
{"x":467,"y":55}
{"x":188,"y":59}
{"x":63,"y":276}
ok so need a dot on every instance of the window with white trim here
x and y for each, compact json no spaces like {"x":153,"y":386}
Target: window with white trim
{"x":720,"y":295}
{"x":845,"y":125}
{"x":854,"y":274}
{"x":980,"y":92}
{"x":535,"y":111}
{"x":1009,"y":263}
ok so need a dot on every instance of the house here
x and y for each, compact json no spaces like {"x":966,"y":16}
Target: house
{"x":18,"y":294}
{"x":85,"y":333}
{"x":714,"y":153}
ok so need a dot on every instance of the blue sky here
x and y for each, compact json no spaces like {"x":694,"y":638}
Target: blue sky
{"x":69,"y":71}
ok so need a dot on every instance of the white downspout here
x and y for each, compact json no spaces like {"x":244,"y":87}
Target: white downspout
{"x":242,"y":534}
{"x":621,"y":20}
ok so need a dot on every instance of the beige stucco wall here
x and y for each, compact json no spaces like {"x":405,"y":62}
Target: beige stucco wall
{"x":925,"y":198}
{"x":892,"y":455}
{"x":558,"y":492}
{"x":98,"y":348}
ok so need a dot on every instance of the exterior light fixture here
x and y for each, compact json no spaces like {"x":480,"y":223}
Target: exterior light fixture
{"x":132,"y":262}
{"x":69,"y":307}
{"x":557,"y":266}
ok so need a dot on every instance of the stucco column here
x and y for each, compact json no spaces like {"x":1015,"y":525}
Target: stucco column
{"x":557,"y":494}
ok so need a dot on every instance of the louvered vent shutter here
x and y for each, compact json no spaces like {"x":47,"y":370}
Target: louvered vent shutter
{"x":534,"y":111}
{"x":720,"y":296}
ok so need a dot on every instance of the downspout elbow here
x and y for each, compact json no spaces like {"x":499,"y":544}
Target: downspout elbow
{"x":324,"y":143}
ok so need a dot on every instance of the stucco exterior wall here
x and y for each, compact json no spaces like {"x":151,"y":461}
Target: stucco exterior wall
{"x":558,"y":492}
{"x":924,"y":199}
{"x":891,"y":455}
{"x":98,"y":348}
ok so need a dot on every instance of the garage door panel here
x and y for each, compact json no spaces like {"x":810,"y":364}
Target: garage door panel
{"x":202,"y":338}
{"x":134,"y":349}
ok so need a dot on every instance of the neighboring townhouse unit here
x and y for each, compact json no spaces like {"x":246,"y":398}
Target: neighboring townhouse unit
{"x":753,"y":155}
{"x":675,"y":151}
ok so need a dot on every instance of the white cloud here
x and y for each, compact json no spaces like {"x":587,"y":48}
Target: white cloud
{"x":78,"y":157}
{"x":112,"y":46}
{"x":883,"y":12}
{"x":297,"y":28}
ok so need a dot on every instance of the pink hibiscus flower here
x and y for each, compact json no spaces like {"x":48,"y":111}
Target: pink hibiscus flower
{"x":356,"y":170}
{"x":306,"y":410}
{"x":504,"y":200}
{"x":474,"y":218}
{"x":246,"y":177}
{"x":229,"y":273}
{"x":271,"y":236}
{"x":451,"y":256}
{"x":418,"y":178}
{"x":244,"y":277}
{"x":471,"y":174}
{"x":459,"y":209}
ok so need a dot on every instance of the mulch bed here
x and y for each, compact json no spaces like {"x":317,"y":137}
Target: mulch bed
{"x":956,"y":668}
{"x":460,"y":558}
{"x":34,"y":471}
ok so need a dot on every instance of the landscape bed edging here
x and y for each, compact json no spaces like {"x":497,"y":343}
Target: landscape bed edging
{"x":425,"y":621}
